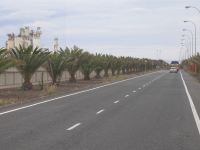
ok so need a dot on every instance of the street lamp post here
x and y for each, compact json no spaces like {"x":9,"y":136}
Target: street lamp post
{"x":195,"y":36}
{"x":188,"y":44}
{"x":182,"y":46}
{"x":192,"y":35}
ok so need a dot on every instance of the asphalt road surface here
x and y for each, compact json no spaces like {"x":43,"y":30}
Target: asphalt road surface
{"x":151,"y":112}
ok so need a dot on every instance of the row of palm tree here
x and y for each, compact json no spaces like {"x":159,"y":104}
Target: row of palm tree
{"x":28,"y":60}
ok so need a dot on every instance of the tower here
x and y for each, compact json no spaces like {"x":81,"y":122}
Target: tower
{"x":56,"y":45}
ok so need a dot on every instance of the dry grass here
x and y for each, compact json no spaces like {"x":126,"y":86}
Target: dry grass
{"x":7,"y":101}
{"x":51,"y":89}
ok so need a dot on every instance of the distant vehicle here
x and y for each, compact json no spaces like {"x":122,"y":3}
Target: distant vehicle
{"x":173,"y":70}
{"x":174,"y":67}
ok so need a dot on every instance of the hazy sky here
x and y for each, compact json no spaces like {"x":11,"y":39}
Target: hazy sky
{"x":137,"y":28}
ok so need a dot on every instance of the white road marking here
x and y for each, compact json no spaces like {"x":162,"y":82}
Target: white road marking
{"x":64,"y":96}
{"x":73,"y":127}
{"x":116,"y":102}
{"x":134,"y":91}
{"x":126,"y":96}
{"x":100,"y":111}
{"x":195,"y":114}
{"x":144,"y":85}
{"x":139,"y":88}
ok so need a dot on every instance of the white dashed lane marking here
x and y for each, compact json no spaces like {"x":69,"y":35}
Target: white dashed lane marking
{"x":116,"y":102}
{"x":100,"y":111}
{"x":126,"y":96}
{"x":73,"y":127}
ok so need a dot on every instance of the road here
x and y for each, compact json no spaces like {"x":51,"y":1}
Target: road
{"x":150,"y":112}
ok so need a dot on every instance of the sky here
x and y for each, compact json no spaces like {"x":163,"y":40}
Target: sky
{"x":137,"y":28}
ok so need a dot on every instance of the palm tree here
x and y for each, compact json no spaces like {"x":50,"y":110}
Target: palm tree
{"x":55,"y":66}
{"x":27,"y":61}
{"x":87,"y":65}
{"x":118,"y":66}
{"x":5,"y":61}
{"x":98,"y":65}
{"x":74,"y":55}
{"x":106,"y":60}
{"x":113,"y":64}
{"x":123,"y":64}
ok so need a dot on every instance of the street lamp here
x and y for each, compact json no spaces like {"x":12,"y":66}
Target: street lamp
{"x":192,"y":35}
{"x":195,"y":32}
{"x":187,"y":7}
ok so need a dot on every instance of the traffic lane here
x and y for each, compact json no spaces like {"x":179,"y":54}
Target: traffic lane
{"x":88,"y":100}
{"x":161,"y":118}
{"x":51,"y":138}
{"x":64,"y":97}
{"x":29,"y":128}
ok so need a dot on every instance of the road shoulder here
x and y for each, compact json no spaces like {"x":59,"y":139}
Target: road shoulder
{"x":194,"y":89}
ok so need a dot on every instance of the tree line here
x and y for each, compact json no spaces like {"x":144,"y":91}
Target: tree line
{"x":192,"y":63}
{"x":27,"y":60}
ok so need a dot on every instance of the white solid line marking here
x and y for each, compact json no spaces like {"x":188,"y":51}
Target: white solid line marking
{"x":195,"y":114}
{"x":116,"y":102}
{"x":64,"y":96}
{"x":126,"y":96}
{"x":134,"y":91}
{"x":102,"y":110}
{"x":74,"y":126}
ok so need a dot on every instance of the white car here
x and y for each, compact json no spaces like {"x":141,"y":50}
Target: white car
{"x":173,"y":70}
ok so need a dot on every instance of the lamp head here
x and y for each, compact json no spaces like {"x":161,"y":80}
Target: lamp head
{"x":187,"y":7}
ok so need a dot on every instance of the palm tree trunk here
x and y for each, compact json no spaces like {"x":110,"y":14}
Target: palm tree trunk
{"x":72,"y":77}
{"x":27,"y":85}
{"x":113,"y":72}
{"x":106,"y":73}
{"x":118,"y":72}
{"x":98,"y":75}
{"x":86,"y":76}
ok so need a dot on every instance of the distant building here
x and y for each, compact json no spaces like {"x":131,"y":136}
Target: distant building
{"x":55,"y":45}
{"x":25,"y":38}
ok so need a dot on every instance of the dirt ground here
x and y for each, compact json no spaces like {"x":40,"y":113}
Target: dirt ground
{"x":18,"y":96}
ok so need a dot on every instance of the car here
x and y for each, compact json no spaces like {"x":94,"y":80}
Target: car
{"x":173,"y":70}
